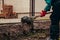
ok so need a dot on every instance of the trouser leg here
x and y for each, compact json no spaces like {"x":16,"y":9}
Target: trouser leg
{"x":54,"y":28}
{"x":54,"y":32}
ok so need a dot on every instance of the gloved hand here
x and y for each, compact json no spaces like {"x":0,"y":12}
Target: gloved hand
{"x":43,"y":13}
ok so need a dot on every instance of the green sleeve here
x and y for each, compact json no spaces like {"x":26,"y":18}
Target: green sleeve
{"x":48,"y":6}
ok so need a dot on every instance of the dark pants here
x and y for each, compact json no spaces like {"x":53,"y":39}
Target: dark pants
{"x":54,"y":28}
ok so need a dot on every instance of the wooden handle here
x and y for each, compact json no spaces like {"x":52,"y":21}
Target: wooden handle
{"x":39,"y":15}
{"x":49,"y":12}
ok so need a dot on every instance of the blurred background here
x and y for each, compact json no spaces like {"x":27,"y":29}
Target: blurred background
{"x":21,"y":8}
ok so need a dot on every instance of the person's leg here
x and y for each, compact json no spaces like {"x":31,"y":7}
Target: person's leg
{"x":54,"y":32}
{"x":54,"y":28}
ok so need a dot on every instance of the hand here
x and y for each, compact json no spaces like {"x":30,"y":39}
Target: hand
{"x":43,"y":13}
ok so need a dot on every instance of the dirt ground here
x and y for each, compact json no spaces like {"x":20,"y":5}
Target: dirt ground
{"x":15,"y":31}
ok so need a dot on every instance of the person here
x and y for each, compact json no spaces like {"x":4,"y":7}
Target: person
{"x":54,"y":17}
